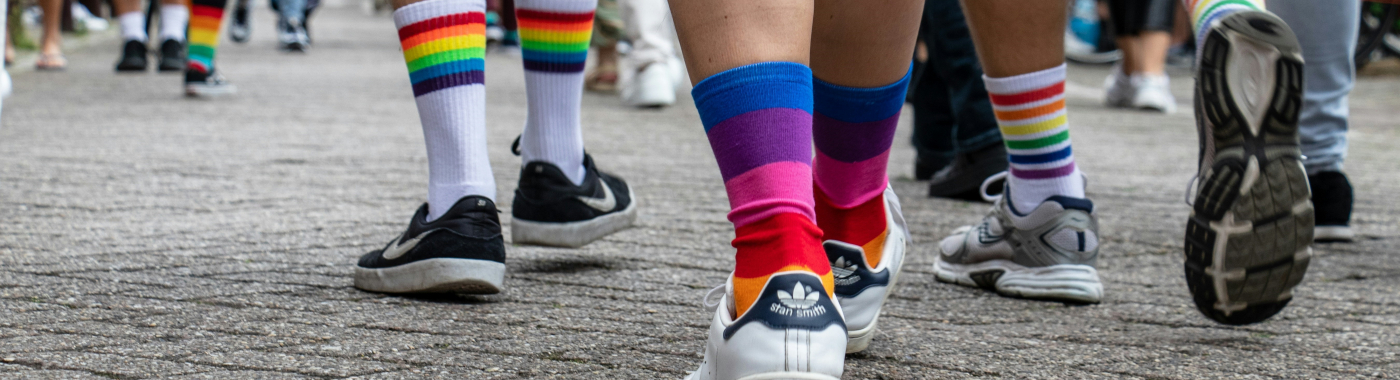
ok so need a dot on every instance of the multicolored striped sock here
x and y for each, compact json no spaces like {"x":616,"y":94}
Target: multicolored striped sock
{"x":1030,"y":108}
{"x":853,"y":129}
{"x":444,"y":44}
{"x":554,"y":37}
{"x":1205,"y":12}
{"x":205,"y":17}
{"x":759,"y":122}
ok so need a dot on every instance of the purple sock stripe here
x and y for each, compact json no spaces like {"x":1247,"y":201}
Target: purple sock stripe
{"x":447,"y":81}
{"x":1044,"y":173}
{"x":761,"y":137}
{"x":554,"y":67}
{"x":853,"y":142}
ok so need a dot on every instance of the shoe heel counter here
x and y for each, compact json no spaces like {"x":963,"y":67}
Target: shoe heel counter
{"x":1073,"y":239}
{"x":794,"y":326}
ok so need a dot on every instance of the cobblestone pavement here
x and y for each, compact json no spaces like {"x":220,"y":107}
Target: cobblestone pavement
{"x":146,"y":235}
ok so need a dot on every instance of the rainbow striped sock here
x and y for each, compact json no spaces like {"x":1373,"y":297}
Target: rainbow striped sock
{"x":1030,"y":109}
{"x":759,"y":122}
{"x":853,"y":129}
{"x":205,"y":17}
{"x":1205,"y":12}
{"x":444,"y":44}
{"x":554,"y":36}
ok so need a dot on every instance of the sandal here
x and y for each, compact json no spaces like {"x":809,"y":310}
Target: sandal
{"x":51,"y":62}
{"x":601,"y":79}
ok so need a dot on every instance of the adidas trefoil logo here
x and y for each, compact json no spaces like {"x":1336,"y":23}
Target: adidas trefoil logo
{"x":801,"y":302}
{"x":844,"y":272}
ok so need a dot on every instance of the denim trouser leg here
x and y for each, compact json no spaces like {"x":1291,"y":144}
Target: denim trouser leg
{"x":952,"y":111}
{"x":291,"y":10}
{"x":1327,"y":31}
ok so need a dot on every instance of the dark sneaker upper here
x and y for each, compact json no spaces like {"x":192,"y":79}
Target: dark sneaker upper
{"x":547,"y":195}
{"x":1332,"y":201}
{"x":471,"y":229}
{"x":963,"y":178}
{"x":238,"y":30}
{"x":172,"y":55}
{"x":133,"y":56}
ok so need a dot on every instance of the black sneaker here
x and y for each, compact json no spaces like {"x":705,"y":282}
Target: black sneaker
{"x":172,"y":56}
{"x":239,"y":31}
{"x":963,"y":178}
{"x":550,"y":210}
{"x":1249,"y":237}
{"x":460,"y":252}
{"x":202,"y":84}
{"x":133,"y":57}
{"x":1332,"y":198}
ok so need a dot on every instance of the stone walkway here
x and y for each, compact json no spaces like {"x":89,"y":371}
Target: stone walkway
{"x":146,"y":235}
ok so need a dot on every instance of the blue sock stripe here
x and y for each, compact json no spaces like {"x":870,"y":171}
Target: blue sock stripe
{"x":859,"y":105}
{"x":1042,"y":158}
{"x":765,"y":85}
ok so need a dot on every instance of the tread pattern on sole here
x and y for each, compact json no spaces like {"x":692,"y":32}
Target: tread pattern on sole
{"x":1254,"y":195}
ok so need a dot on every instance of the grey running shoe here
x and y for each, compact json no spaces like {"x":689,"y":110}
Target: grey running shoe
{"x":1247,"y":241}
{"x":1048,"y":253}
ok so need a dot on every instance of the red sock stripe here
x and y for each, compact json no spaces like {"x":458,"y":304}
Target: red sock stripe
{"x":441,"y":22}
{"x":206,"y":11}
{"x":782,"y":240}
{"x":553,"y":16}
{"x":1029,"y":96}
{"x":857,"y":225}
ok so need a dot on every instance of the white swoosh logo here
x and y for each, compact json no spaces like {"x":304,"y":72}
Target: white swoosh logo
{"x":607,"y":203}
{"x":394,"y":250}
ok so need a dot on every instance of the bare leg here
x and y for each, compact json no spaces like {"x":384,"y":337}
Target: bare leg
{"x":724,"y":34}
{"x":1128,"y":45}
{"x":53,"y":11}
{"x":864,"y":43}
{"x":1150,"y":54}
{"x":1016,"y":37}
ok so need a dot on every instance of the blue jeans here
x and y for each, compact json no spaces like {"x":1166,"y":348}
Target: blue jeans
{"x":1327,"y":31}
{"x":952,"y":112}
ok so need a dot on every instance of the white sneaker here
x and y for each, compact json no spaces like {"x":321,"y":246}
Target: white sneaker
{"x":1154,"y":92}
{"x":1118,"y":89}
{"x":652,"y":86}
{"x":860,"y":288}
{"x":792,"y":331}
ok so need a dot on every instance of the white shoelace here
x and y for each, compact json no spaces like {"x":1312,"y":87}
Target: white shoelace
{"x":712,"y":306}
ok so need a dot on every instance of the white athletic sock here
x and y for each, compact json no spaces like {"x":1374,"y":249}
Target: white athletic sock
{"x":1030,"y":110}
{"x":173,"y":19}
{"x":133,"y":26}
{"x":451,"y":96}
{"x":554,"y":81}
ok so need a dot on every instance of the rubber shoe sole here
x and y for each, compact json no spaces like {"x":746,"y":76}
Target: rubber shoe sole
{"x":463,"y":276}
{"x":1064,"y":282}
{"x":1248,"y":237}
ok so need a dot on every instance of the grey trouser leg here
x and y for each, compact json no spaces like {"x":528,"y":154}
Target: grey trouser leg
{"x":1327,"y":31}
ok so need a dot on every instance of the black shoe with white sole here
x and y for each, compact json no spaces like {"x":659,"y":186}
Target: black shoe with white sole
{"x":460,"y":252}
{"x":550,"y":210}
{"x":1332,"y":196}
{"x":1251,"y":226}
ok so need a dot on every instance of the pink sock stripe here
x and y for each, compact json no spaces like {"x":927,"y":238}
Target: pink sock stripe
{"x":851,"y":184}
{"x":1045,"y":173}
{"x":779,"y":187}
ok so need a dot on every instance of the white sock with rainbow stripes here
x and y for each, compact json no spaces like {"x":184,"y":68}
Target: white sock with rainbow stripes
{"x":1030,"y":109}
{"x":1204,"y":12}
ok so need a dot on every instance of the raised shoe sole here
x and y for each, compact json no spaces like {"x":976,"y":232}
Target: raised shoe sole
{"x":441,"y":275}
{"x":573,"y":234}
{"x":200,"y":90}
{"x":1248,"y":238}
{"x":1063,"y":282}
